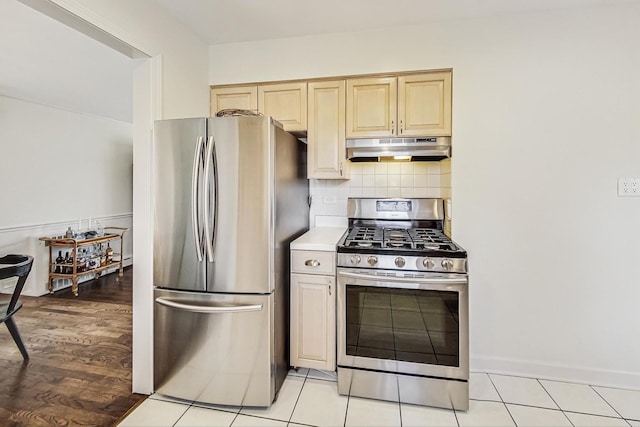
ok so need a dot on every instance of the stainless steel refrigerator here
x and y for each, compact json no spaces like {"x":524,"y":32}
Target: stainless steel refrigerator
{"x":230,"y":194}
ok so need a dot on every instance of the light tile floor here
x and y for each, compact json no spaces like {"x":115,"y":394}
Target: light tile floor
{"x":310,"y":398}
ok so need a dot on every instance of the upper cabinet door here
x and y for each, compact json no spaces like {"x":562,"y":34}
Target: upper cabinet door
{"x":286,"y":102}
{"x":424,"y":104}
{"x":371,"y":107}
{"x":326,"y":152}
{"x":241,"y":97}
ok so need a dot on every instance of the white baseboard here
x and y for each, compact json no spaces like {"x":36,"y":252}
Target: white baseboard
{"x":556,"y":371}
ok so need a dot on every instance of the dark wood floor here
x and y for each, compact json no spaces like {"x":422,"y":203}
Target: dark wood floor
{"x":79,"y":371}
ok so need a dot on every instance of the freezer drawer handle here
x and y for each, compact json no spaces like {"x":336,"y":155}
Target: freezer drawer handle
{"x":312,"y":263}
{"x":212,"y":310}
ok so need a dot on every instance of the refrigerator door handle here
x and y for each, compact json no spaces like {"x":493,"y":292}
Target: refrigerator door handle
{"x":210,"y":235}
{"x":195,"y":198}
{"x":208,"y":309}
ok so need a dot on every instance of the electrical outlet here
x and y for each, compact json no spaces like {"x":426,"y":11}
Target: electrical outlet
{"x":628,"y":187}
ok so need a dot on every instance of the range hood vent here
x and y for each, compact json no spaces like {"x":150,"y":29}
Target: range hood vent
{"x":414,"y":149}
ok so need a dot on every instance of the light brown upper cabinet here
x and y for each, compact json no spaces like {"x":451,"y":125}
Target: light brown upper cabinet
{"x":408,"y":105}
{"x":286,"y":102}
{"x":424,"y":104}
{"x":371,"y":107}
{"x":326,"y":151}
{"x":240,"y":97}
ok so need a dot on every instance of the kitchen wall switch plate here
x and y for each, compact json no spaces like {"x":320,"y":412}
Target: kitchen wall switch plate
{"x":628,"y":187}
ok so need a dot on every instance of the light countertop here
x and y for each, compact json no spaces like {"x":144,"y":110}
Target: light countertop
{"x":319,"y":239}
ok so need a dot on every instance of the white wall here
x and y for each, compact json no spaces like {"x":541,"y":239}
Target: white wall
{"x":47,"y":62}
{"x":182,"y":86}
{"x":59,"y":167}
{"x":545,"y":118}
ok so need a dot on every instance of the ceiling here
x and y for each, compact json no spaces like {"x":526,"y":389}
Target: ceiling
{"x":44,"y":61}
{"x":227,"y":21}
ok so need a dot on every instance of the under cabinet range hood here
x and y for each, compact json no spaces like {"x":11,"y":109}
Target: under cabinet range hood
{"x":413,"y":149}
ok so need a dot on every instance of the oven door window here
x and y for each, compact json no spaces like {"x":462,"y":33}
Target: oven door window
{"x":407,"y":325}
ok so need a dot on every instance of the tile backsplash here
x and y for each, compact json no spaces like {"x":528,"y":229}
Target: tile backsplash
{"x":381,"y":179}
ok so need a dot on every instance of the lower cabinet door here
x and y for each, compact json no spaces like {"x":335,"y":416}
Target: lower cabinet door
{"x":313,"y":325}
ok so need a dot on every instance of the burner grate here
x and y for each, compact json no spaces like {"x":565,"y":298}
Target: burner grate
{"x":364,"y":237}
{"x":397,"y":238}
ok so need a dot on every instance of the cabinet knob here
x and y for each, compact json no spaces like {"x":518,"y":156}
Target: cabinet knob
{"x":401,"y":127}
{"x":393,"y":126}
{"x":312,"y":263}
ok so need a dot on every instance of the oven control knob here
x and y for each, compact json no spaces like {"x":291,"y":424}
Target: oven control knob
{"x":428,"y":263}
{"x":447,"y":264}
{"x":400,"y":262}
{"x":372,"y":260}
{"x":355,"y":259}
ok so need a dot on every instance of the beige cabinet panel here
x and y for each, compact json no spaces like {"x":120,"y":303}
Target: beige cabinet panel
{"x":424,"y":104}
{"x":313,"y":336}
{"x":371,"y":107}
{"x":286,"y":102}
{"x":326,"y":152}
{"x":313,"y":262}
{"x":241,"y":97}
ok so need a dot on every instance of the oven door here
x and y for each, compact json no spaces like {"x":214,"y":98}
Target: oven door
{"x":410,"y":323}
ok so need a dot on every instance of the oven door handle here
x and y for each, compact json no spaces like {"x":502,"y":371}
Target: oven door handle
{"x":440,"y":280}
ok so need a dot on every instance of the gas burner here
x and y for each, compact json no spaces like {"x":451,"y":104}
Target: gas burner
{"x":417,"y":238}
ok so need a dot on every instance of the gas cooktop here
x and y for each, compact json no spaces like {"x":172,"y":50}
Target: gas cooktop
{"x":404,"y":234}
{"x":393,"y":239}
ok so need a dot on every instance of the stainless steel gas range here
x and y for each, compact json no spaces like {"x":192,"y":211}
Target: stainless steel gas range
{"x":403,"y":329}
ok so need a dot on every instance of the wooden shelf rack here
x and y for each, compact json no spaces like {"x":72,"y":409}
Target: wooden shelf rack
{"x":110,"y":233}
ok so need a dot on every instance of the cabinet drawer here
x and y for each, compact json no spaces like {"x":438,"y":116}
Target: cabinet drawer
{"x":313,"y":262}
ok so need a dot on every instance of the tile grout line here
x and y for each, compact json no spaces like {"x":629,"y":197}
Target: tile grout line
{"x":554,"y":401}
{"x":541,"y":407}
{"x":455,"y":414}
{"x":299,"y":394}
{"x":548,"y":394}
{"x":502,"y":401}
{"x":552,"y":380}
{"x":234,"y":418}
{"x":570,"y":422}
{"x":606,"y":401}
{"x":510,"y":414}
{"x":495,"y":388}
{"x":593,"y":415}
{"x":344,"y":424}
{"x":180,"y":417}
{"x":399,"y":402}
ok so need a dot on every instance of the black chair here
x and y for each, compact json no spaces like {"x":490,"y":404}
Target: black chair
{"x":14,"y":266}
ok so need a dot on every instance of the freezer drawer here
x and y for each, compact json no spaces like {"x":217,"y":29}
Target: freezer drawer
{"x":214,"y":348}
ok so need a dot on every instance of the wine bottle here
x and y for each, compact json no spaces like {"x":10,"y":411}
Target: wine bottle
{"x":59,"y":260}
{"x":103,"y":256}
{"x":67,"y":260}
{"x":108,"y":254}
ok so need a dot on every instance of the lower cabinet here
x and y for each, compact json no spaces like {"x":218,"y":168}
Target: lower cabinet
{"x":313,"y":324}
